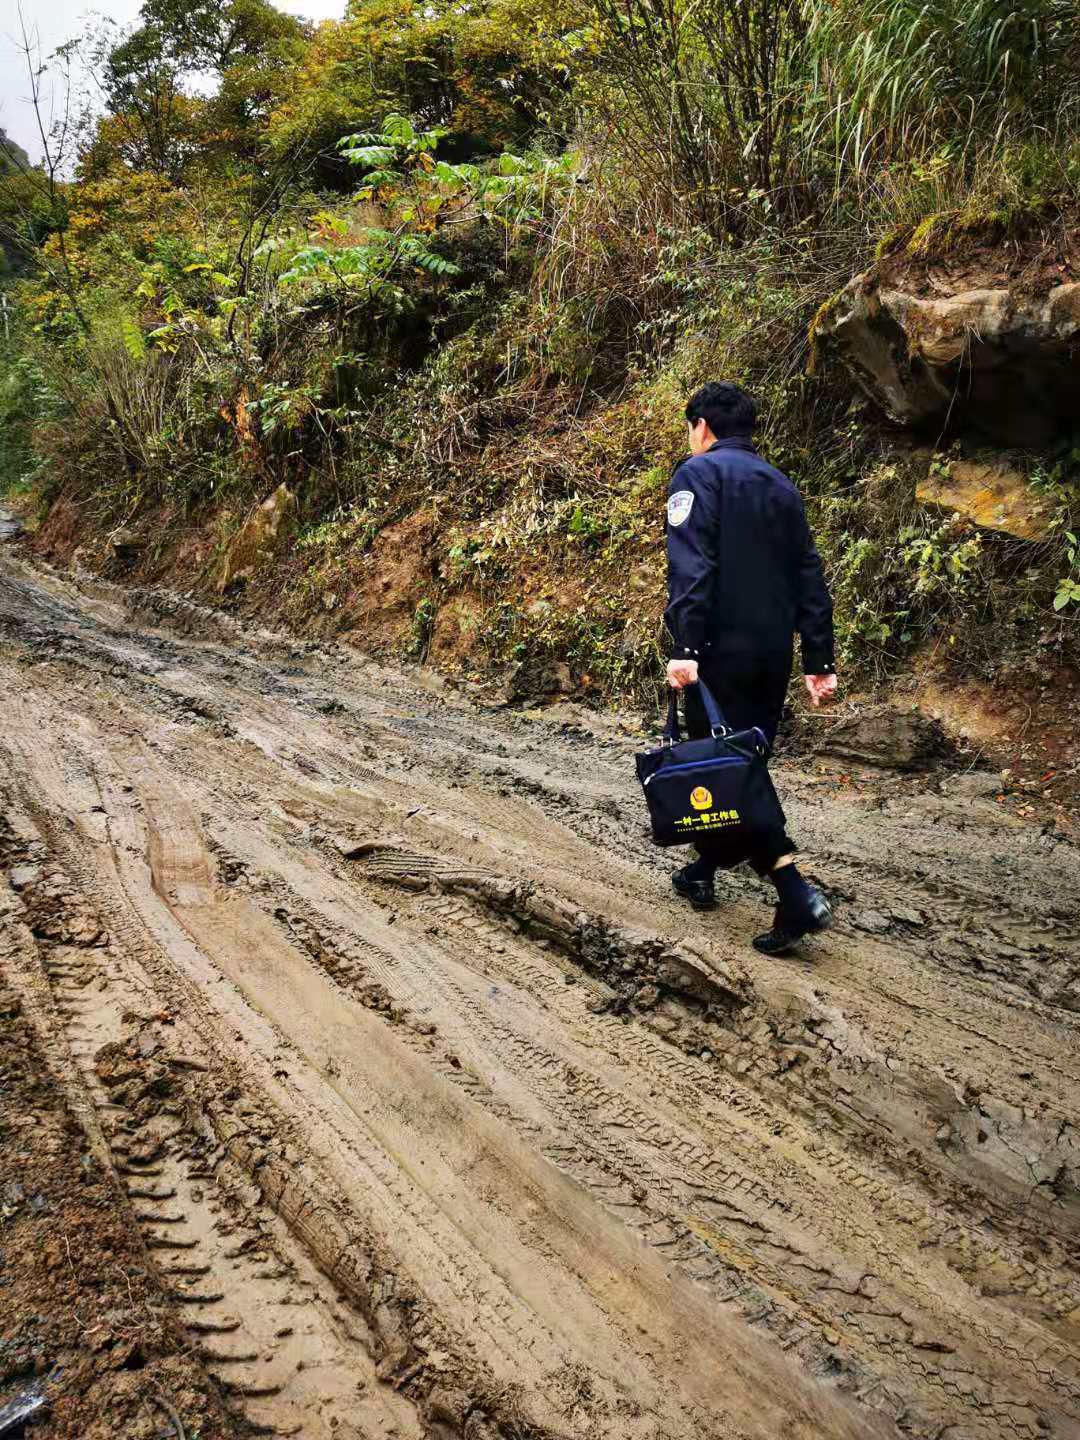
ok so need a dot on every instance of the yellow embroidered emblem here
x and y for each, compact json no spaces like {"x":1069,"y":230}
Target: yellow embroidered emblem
{"x":700,"y":798}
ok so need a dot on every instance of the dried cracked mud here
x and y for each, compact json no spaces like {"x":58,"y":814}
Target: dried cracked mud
{"x":436,"y":1116}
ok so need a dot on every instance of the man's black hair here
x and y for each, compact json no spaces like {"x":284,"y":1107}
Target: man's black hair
{"x":726,"y":408}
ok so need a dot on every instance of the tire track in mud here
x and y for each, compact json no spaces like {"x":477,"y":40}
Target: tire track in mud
{"x":351,"y":1257}
{"x":668,"y":1238}
{"x":617,"y":1176}
{"x":96,"y":1007}
{"x":969,"y":1009}
{"x":701,"y":1425}
{"x":730,"y":1128}
{"x":124,"y":923}
{"x":764,"y":1063}
{"x":849,"y":1172}
{"x":280,"y":1350}
{"x":349,"y":962}
{"x":698,"y":1169}
{"x":969,"y":918}
{"x":766,"y":1066}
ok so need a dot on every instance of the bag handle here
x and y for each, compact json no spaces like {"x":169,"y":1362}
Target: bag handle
{"x":718,"y":726}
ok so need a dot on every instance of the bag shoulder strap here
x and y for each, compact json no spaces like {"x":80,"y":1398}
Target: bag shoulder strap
{"x":715,"y":716}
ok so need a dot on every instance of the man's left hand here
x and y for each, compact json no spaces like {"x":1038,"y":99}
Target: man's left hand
{"x":820,"y":687}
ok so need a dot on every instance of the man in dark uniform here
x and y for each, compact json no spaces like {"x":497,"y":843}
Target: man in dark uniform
{"x":743,"y":577}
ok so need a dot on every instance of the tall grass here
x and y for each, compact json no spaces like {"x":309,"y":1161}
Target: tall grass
{"x":892,"y":79}
{"x":802,"y":108}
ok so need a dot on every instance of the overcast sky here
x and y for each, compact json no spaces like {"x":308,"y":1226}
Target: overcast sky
{"x":53,"y":22}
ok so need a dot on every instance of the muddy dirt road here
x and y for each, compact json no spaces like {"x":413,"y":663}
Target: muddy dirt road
{"x":440,"y":1118}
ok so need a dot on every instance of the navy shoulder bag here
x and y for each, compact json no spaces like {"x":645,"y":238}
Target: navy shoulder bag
{"x":719,"y":785}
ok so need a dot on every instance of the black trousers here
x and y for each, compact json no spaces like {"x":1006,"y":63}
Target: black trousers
{"x":750,"y":690}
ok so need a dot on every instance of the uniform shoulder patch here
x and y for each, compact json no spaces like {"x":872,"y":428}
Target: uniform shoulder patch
{"x":679,"y":506}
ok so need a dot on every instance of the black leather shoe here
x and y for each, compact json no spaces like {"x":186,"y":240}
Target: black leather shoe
{"x":788,"y":929}
{"x":700,"y":893}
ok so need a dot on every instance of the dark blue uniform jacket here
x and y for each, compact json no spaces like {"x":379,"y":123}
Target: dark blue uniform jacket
{"x":743,"y":571}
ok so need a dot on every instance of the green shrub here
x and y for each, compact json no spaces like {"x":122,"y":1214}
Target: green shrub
{"x":26,"y":402}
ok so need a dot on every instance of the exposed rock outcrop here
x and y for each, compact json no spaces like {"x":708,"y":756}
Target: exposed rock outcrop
{"x":257,"y":537}
{"x":125,"y":545}
{"x":1001,"y":362}
{"x":994,"y":496}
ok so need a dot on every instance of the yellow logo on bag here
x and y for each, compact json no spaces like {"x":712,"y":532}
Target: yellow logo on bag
{"x":700,"y":798}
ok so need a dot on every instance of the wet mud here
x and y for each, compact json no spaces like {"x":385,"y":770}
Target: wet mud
{"x":435,"y":1115}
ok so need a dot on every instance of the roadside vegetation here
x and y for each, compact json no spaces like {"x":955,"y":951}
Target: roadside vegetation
{"x":447,"y":273}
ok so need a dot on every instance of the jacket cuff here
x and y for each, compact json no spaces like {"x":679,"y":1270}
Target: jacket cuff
{"x":687,"y":652}
{"x":818,"y":662}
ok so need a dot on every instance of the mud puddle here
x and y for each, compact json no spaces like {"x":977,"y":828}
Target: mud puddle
{"x":435,"y":1114}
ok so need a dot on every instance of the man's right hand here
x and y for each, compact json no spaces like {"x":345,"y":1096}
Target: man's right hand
{"x":681,"y":673}
{"x":821,"y":687}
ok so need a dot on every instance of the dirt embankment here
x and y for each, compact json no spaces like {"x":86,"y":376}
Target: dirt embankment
{"x":439,"y":1117}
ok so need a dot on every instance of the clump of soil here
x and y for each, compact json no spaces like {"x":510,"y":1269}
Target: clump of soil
{"x":954,"y":254}
{"x":83,"y":1321}
{"x":884,"y":736}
